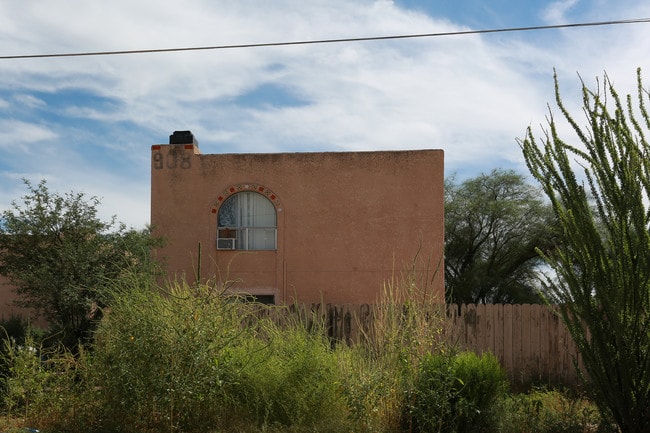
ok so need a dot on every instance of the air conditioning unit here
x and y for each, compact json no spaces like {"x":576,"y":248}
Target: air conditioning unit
{"x":226,"y":243}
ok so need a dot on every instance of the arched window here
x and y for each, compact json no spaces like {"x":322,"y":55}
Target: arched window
{"x":247,"y":221}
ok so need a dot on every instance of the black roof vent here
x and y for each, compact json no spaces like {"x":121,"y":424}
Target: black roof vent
{"x":182,"y":137}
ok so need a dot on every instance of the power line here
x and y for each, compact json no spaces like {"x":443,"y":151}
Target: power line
{"x":327,"y":41}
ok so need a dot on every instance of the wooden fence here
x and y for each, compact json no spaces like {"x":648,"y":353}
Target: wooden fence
{"x":531,"y":342}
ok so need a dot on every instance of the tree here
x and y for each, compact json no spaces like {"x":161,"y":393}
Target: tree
{"x":493,"y":225}
{"x":62,"y":259}
{"x":599,"y":188}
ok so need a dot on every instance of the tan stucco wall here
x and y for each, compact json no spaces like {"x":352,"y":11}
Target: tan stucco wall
{"x":8,"y":307}
{"x":347,"y":221}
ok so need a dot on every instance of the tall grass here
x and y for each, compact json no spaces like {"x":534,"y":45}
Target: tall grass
{"x":552,"y":411}
{"x":407,"y":325}
{"x":192,"y":358}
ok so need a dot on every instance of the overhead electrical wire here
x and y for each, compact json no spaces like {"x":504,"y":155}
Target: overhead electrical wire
{"x":326,"y":41}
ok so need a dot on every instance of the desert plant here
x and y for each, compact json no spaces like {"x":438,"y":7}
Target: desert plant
{"x":602,"y":265}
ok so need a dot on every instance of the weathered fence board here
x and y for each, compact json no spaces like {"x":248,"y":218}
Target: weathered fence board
{"x":531,"y":341}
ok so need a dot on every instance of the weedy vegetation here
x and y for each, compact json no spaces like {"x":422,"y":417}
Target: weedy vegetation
{"x":193,"y":358}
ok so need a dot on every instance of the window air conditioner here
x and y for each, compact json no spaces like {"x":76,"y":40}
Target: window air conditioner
{"x":226,"y":243}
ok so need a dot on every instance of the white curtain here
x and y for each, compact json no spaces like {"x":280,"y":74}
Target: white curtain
{"x":254,"y":218}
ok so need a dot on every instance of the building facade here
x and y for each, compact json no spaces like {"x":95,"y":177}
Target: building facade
{"x":329,"y":227}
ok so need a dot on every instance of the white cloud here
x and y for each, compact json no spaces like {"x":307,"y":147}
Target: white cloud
{"x":555,"y":13}
{"x":470,"y":95}
{"x":18,"y":134}
{"x":29,"y":101}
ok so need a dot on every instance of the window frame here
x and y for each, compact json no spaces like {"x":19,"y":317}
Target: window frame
{"x":232,"y":237}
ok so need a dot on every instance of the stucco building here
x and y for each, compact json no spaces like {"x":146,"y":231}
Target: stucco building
{"x":8,"y":298}
{"x":299,"y":227}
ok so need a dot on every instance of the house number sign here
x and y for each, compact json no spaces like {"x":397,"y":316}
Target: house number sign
{"x":173,"y":160}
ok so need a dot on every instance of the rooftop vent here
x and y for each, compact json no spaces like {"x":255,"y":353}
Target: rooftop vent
{"x":182,"y":137}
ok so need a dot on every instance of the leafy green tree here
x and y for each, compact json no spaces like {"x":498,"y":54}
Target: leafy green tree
{"x":61,"y":257}
{"x":493,"y":225}
{"x":599,"y":186}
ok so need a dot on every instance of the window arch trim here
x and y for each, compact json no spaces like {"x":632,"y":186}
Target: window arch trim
{"x":246,"y":238}
{"x":252,"y":187}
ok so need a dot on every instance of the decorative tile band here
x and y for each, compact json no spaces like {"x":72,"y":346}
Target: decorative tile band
{"x":252,"y":187}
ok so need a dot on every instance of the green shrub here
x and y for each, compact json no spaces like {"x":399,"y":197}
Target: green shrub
{"x":195,"y":359}
{"x":18,"y":327}
{"x":457,"y":393}
{"x":13,"y":332}
{"x":481,"y":385}
{"x":170,"y":361}
{"x":295,"y":382}
{"x":431,"y":405}
{"x":42,"y":385}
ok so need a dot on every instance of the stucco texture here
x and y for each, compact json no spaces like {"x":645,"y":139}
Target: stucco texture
{"x":346,"y":221}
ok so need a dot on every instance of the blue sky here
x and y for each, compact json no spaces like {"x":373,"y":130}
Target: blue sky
{"x":87,"y":123}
